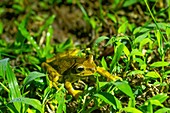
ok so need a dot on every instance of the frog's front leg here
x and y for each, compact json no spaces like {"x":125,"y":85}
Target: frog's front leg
{"x":71,"y":90}
{"x":53,"y":74}
{"x":106,"y":74}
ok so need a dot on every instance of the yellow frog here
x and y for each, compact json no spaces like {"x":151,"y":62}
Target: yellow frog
{"x":67,"y":67}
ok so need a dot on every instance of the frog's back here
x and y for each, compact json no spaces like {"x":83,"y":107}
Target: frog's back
{"x":64,"y":63}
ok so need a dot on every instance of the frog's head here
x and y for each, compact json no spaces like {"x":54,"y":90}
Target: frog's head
{"x":86,"y":68}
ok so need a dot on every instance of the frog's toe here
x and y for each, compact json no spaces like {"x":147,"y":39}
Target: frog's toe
{"x":77,"y":93}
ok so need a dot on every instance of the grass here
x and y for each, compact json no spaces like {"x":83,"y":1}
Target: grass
{"x":138,"y":53}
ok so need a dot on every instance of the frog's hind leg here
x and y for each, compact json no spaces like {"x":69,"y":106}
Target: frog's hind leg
{"x":71,"y":90}
{"x":53,"y":74}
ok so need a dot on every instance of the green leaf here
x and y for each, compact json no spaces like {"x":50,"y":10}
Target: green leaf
{"x":126,"y":51}
{"x":1,"y":27}
{"x":141,"y":30}
{"x":136,"y":52}
{"x":160,"y":97}
{"x":144,"y":42}
{"x":159,"y":64}
{"x":48,"y":22}
{"x":163,"y":110}
{"x":117,"y":55}
{"x":168,"y":32}
{"x":65,"y":45}
{"x":112,"y":17}
{"x":61,"y":102}
{"x":100,"y":39}
{"x":102,"y":84}
{"x":3,"y":66}
{"x":11,"y":108}
{"x":153,"y":74}
{"x":156,"y":103}
{"x":125,"y":88}
{"x":129,"y":2}
{"x":32,"y":76}
{"x":27,"y":35}
{"x":33,"y":102}
{"x":111,"y":41}
{"x":104,"y":64}
{"x":131,"y":110}
{"x":123,"y":27}
{"x":93,"y":23}
{"x":140,"y":37}
{"x":13,"y":86}
{"x":109,"y":99}
{"x":48,"y":47}
{"x":135,"y":72}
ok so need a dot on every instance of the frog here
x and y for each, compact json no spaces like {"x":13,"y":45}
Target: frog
{"x":68,"y":67}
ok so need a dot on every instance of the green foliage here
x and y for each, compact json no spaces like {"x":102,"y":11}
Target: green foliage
{"x":139,"y":55}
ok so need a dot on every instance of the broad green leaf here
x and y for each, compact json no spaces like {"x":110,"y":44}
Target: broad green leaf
{"x":112,"y":17}
{"x":135,"y":72}
{"x":123,"y":27}
{"x":100,"y":39}
{"x":125,"y":88}
{"x":131,"y":110}
{"x":32,"y":102}
{"x":162,"y":26}
{"x":136,"y":52}
{"x":153,"y":74}
{"x":163,"y":110}
{"x":160,"y":97}
{"x":156,"y":103}
{"x":109,"y":99}
{"x":129,"y":2}
{"x":126,"y":51}
{"x":104,"y":64}
{"x":93,"y":22}
{"x":140,"y":37}
{"x":32,"y":76}
{"x":167,"y":72}
{"x":111,"y":41}
{"x":144,"y":42}
{"x":101,"y":84}
{"x":160,"y":64}
{"x":141,"y":62}
{"x":141,"y":30}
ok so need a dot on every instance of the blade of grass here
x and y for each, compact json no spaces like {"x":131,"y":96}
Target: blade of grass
{"x":13,"y":87}
{"x":14,"y":91}
{"x":159,"y":34}
{"x":27,"y":35}
{"x":154,"y":19}
{"x":116,"y":57}
{"x":83,"y":11}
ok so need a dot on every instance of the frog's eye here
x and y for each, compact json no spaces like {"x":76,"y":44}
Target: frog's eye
{"x":80,"y":69}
